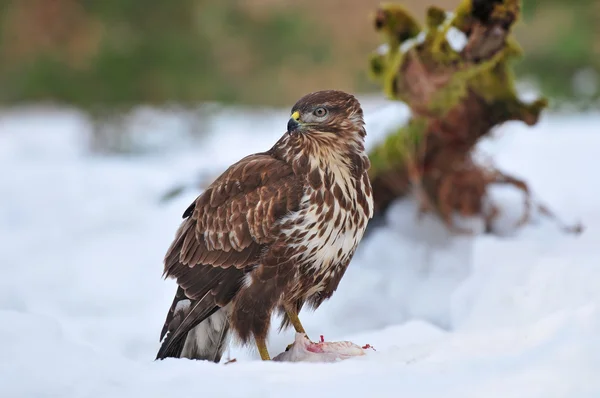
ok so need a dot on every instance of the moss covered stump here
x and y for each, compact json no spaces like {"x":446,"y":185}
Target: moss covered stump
{"x":454,"y":74}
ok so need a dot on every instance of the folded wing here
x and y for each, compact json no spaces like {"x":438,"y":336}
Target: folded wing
{"x":223,"y":236}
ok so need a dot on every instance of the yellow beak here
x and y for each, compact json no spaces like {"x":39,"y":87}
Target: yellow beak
{"x":293,"y":123}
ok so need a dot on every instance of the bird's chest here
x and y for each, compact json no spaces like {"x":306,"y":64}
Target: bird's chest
{"x":331,"y":224}
{"x":332,"y":235}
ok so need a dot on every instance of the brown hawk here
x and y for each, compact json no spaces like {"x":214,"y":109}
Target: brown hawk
{"x":275,"y":231}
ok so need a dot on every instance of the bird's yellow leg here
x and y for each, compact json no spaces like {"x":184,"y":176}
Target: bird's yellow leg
{"x":262,"y":349}
{"x":295,"y":321}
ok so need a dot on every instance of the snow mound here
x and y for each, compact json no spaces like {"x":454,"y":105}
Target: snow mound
{"x":82,"y":301}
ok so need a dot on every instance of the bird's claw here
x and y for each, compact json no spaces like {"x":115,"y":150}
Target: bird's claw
{"x":305,"y":336}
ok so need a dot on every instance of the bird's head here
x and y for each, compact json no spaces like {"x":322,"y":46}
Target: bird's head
{"x":330,"y":115}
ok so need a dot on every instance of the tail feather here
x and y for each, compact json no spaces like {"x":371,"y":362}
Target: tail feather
{"x":171,"y":347}
{"x":194,"y":329}
{"x":208,"y":340}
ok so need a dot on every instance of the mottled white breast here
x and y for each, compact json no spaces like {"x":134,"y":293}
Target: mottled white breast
{"x":330,"y":242}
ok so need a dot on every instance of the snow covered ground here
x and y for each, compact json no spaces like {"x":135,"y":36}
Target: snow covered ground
{"x":82,"y":301}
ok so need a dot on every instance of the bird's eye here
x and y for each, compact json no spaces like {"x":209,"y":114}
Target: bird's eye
{"x":320,"y":112}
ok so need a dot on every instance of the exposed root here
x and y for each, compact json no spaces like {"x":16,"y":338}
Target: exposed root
{"x":530,"y":205}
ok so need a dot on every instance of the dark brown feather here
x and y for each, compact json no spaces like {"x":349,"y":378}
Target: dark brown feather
{"x":224,"y":235}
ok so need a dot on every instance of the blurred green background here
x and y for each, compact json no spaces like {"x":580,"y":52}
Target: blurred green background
{"x":119,"y":53}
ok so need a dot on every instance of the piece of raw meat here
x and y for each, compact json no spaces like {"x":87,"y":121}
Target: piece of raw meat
{"x":304,"y":350}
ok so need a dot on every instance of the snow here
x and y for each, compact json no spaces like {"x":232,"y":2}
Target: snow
{"x":585,"y":82}
{"x":414,"y":41}
{"x":456,"y":38}
{"x":82,"y":301}
{"x":383,"y":49}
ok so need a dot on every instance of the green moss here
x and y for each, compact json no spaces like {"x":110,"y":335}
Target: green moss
{"x":462,"y":15}
{"x":507,"y":10}
{"x":397,"y":146}
{"x":435,"y":17}
{"x":448,"y":97}
{"x":377,"y":66}
{"x":390,"y":76}
{"x":515,"y":109}
{"x":396,"y":24}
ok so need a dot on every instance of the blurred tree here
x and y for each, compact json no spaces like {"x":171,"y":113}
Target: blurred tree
{"x":268,"y":52}
{"x":561,"y":40}
{"x":107,"y":53}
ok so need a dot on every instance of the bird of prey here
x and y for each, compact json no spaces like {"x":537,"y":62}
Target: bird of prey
{"x":274,"y":232}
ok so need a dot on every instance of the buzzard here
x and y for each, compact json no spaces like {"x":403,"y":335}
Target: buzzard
{"x":274,"y":232}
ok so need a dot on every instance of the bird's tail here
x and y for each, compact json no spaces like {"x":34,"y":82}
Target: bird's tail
{"x":205,"y":341}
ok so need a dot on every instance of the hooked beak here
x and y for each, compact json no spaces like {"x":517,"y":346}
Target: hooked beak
{"x":293,"y":123}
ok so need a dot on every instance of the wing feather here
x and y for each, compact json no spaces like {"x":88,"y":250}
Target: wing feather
{"x":224,"y":233}
{"x":239,"y":210}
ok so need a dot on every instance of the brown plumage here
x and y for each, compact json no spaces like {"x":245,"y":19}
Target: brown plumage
{"x":275,"y":231}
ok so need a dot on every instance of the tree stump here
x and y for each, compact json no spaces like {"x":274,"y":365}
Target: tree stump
{"x":454,"y":75}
